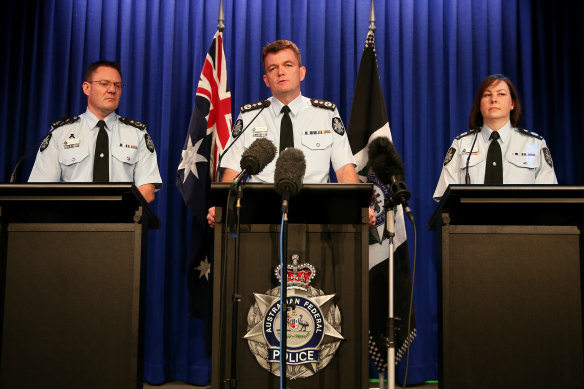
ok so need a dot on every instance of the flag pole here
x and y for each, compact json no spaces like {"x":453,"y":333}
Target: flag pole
{"x":391,"y":230}
{"x":221,"y":17}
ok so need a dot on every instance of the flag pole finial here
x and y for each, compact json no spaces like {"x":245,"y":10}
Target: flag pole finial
{"x":221,"y":17}
{"x":372,"y":18}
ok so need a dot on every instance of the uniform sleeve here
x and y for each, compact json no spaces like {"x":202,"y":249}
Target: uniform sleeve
{"x":341,"y":154}
{"x":146,"y":170}
{"x":46,"y":165}
{"x":545,"y":174}
{"x":231,"y":159}
{"x":450,"y":170}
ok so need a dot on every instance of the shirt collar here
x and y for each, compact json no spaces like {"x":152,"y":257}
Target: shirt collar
{"x":504,"y":132}
{"x":295,"y":105}
{"x":92,"y":120}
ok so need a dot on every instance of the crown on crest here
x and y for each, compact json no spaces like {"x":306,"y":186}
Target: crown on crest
{"x":298,"y":276}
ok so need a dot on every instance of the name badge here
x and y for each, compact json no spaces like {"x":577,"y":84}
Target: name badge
{"x":259,"y":132}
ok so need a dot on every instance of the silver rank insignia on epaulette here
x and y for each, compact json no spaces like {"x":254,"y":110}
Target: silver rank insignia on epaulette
{"x":253,"y":106}
{"x":469,"y":132}
{"x":323,"y":104}
{"x":528,"y":133}
{"x":65,"y":120}
{"x":134,"y":123}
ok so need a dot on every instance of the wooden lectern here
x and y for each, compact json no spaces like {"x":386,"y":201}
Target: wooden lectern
{"x":511,"y":286}
{"x":328,"y":228}
{"x":72,"y":260}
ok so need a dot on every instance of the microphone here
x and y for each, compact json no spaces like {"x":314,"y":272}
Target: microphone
{"x":389,"y":168}
{"x":36,"y":146}
{"x":265,"y":104}
{"x":467,"y":175}
{"x":255,"y":159}
{"x":290,"y":168}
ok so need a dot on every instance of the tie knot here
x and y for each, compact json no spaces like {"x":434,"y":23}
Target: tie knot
{"x":285,"y":109}
{"x":494,"y":135}
{"x":100,"y":124}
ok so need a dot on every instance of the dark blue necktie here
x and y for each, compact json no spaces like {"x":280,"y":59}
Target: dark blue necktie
{"x":494,"y":168}
{"x":101,"y":158}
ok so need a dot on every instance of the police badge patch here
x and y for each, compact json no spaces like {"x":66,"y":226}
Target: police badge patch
{"x":313,"y":325}
{"x":338,"y":125}
{"x":149,"y":143}
{"x":449,"y":155}
{"x":237,"y":128}
{"x":45,"y":142}
{"x":548,"y":156}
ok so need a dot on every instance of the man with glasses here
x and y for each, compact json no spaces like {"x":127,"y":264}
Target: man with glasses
{"x":99,"y":145}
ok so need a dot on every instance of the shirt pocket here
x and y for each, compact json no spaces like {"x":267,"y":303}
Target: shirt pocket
{"x":315,"y":141}
{"x":523,"y":160}
{"x":126,"y":155}
{"x":73,"y":156}
{"x":522,"y":168}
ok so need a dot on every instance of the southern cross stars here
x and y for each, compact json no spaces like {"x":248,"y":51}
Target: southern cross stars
{"x":190,"y":158}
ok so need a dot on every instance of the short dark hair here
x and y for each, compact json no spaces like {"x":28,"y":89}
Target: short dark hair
{"x":280,"y":45}
{"x":476,"y":117}
{"x":93,"y":67}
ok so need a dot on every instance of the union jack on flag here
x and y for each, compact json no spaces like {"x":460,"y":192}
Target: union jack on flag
{"x":209,"y":130}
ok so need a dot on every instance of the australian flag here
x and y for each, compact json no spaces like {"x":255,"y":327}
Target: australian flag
{"x":209,"y":130}
{"x":368,"y":121}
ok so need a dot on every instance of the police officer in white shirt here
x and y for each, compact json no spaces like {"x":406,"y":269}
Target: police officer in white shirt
{"x":68,"y":152}
{"x":317,"y":128}
{"x":496,"y":112}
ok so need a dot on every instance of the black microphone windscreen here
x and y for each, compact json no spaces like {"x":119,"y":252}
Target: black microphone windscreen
{"x":261,"y":152}
{"x":385,"y":160}
{"x":266,"y":103}
{"x":290,"y":168}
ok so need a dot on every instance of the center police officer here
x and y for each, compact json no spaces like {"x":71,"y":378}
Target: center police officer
{"x":317,"y":129}
{"x":495,"y":115}
{"x":68,"y":152}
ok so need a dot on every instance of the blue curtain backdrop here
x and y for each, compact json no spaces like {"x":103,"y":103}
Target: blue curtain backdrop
{"x":432,"y":56}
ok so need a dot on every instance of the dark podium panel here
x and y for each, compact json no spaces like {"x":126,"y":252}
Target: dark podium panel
{"x":511,"y":286}
{"x":328,"y":227}
{"x":72,"y":258}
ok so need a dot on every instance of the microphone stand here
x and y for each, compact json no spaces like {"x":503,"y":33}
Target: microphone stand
{"x":283,"y":295}
{"x":236,"y":295}
{"x":390,"y":341}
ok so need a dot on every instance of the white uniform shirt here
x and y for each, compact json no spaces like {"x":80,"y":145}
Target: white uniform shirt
{"x":526,"y":159}
{"x":314,"y":135}
{"x":69,"y":155}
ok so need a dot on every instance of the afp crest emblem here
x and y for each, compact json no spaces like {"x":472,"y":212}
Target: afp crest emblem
{"x":313,"y":325}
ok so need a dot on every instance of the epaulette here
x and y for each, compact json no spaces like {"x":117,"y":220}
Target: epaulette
{"x":134,"y":123}
{"x":528,"y":133}
{"x":64,"y":120}
{"x":323,"y":104}
{"x":469,"y":132}
{"x":254,"y":106}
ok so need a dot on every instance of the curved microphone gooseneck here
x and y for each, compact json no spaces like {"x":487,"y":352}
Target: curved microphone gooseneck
{"x":265,"y":104}
{"x":467,"y":175}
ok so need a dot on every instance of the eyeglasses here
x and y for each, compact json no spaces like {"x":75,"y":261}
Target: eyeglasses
{"x":107,"y":84}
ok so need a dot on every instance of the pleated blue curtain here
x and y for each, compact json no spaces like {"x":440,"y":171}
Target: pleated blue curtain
{"x":432,"y":55}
